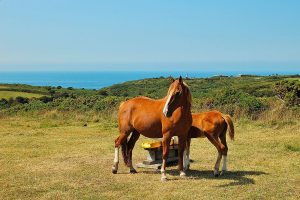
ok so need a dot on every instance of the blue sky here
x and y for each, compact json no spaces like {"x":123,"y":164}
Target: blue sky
{"x":73,"y":35}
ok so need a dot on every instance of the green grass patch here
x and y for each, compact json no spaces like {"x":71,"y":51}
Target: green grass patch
{"x":13,"y":94}
{"x":294,"y":148}
{"x":277,"y":124}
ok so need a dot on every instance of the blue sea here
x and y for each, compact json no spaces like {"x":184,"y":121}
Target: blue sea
{"x":97,"y":80}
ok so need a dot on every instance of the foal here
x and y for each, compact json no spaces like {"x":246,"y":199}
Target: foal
{"x":162,"y":118}
{"x":213,"y":125}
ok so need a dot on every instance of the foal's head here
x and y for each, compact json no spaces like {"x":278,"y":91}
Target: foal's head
{"x":178,"y":95}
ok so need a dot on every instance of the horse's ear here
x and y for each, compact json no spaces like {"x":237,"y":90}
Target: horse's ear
{"x":171,"y":79}
{"x":180,"y":79}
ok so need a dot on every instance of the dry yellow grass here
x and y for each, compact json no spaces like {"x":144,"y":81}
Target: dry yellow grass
{"x":50,"y":158}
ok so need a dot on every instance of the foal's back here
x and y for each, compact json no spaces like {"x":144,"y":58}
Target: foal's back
{"x":206,"y":122}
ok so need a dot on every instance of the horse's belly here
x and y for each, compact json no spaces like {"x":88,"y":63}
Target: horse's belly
{"x":150,"y":132}
{"x":150,"y":129}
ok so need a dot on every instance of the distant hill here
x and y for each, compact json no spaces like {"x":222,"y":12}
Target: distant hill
{"x":247,"y":96}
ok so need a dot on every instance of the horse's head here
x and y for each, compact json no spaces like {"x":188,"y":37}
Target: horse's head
{"x":177,"y":95}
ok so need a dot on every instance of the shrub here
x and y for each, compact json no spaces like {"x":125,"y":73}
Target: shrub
{"x":22,"y":100}
{"x":236,"y":100}
{"x":3,"y":103}
{"x":108,"y":103}
{"x":289,"y":91}
{"x":103,"y":92}
{"x":46,"y":99}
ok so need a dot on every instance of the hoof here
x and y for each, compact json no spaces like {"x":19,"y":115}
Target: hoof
{"x":182,"y":175}
{"x":114,"y":171}
{"x":222,"y":172}
{"x":132,"y":171}
{"x":186,"y":168}
{"x":164,"y":179}
{"x":216,"y":173}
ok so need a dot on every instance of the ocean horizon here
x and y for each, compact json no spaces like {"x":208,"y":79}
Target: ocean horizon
{"x":101,"y":79}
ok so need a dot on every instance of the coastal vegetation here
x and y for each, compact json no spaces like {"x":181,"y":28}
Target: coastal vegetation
{"x":253,"y":97}
{"x":58,"y":143}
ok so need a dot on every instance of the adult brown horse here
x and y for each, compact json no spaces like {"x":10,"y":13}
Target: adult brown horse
{"x":213,"y":125}
{"x":162,"y":118}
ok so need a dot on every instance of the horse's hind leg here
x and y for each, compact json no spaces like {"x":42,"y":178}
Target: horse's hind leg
{"x":224,"y":152}
{"x":119,"y":141}
{"x":218,"y":145}
{"x":130,"y":145}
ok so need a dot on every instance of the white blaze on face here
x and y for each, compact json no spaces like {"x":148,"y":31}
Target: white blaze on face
{"x":166,"y":107}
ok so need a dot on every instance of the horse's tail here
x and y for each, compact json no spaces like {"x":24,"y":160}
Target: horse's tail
{"x":230,"y":126}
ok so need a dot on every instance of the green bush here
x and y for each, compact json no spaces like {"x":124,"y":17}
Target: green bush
{"x":4,"y":103}
{"x":289,"y":91}
{"x":109,"y":102}
{"x":22,"y":100}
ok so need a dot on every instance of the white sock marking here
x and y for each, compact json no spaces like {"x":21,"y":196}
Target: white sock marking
{"x":116,"y":160}
{"x":185,"y":162}
{"x":224,"y":168}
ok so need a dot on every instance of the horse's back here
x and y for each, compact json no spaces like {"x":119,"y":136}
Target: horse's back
{"x":141,"y":104}
{"x":142,"y":114}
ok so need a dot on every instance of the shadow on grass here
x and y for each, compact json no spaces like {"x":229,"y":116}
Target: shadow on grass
{"x":237,"y":177}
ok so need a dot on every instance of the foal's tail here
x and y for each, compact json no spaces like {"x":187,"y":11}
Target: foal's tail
{"x":229,"y":125}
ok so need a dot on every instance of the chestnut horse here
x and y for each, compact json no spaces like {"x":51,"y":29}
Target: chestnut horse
{"x":213,"y":125}
{"x":162,"y":118}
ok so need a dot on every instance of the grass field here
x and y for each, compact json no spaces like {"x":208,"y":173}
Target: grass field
{"x":52,"y":157}
{"x":13,"y":94}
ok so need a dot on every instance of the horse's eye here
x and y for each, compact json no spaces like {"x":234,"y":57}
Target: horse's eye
{"x":177,"y":93}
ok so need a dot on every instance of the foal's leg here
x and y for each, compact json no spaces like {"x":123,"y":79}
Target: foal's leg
{"x":166,"y":144}
{"x":121,"y":139}
{"x":130,"y":145}
{"x":186,"y":164}
{"x":182,"y":155}
{"x":224,"y":152}
{"x":218,"y":145}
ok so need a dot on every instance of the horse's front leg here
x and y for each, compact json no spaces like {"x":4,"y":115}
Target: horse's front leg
{"x":182,"y":154}
{"x":166,"y":144}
